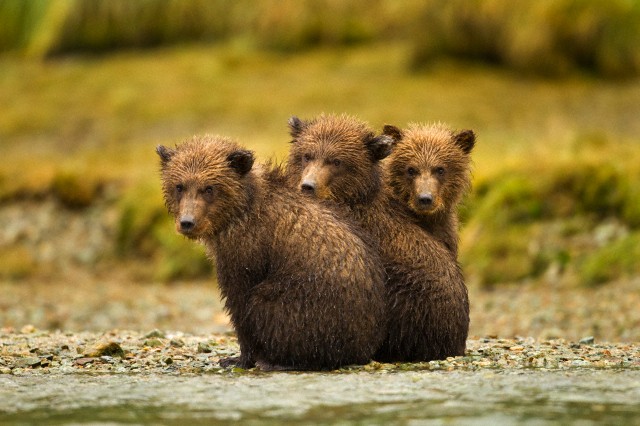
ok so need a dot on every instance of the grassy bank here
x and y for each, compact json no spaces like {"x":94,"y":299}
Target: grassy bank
{"x":555,"y":177}
{"x":546,"y":37}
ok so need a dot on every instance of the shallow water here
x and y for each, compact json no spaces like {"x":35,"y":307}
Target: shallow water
{"x":416,"y":397}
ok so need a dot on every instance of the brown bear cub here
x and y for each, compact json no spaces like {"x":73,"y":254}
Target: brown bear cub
{"x":429,"y":171}
{"x":337,"y":158}
{"x":303,"y":290}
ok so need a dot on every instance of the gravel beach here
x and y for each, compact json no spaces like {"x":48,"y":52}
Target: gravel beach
{"x":34,"y":352}
{"x":55,"y":327}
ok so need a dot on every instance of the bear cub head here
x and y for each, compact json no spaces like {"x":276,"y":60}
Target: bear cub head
{"x":205,"y":183}
{"x":335,"y":157}
{"x":429,"y":169}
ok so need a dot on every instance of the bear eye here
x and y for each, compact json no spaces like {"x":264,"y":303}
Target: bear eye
{"x":440,"y":171}
{"x":307,"y":157}
{"x":179,"y":188}
{"x":336,"y":162}
{"x":411,"y":171}
{"x":209,"y":190}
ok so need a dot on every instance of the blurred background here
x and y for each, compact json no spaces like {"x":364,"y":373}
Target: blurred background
{"x":550,"y":243}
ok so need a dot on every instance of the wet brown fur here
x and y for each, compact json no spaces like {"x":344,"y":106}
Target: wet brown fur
{"x":303,"y":290}
{"x":431,"y":161}
{"x":427,"y":299}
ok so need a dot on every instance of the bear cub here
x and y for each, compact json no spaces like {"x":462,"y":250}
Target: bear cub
{"x":337,"y":158}
{"x":428,"y":172}
{"x":304,"y":291}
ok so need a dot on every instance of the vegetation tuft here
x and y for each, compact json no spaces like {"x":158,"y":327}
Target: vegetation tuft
{"x":548,"y":37}
{"x":543,"y":37}
{"x":146,"y":233}
{"x":575,"y":217}
{"x":73,"y":189}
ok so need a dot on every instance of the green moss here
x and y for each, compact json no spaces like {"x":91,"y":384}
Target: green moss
{"x":500,"y":255}
{"x":527,"y":219}
{"x":508,"y":198}
{"x":614,"y":261}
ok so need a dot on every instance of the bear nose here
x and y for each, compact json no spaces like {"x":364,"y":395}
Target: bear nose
{"x":308,"y":186}
{"x":425,"y":200}
{"x":187,"y":223}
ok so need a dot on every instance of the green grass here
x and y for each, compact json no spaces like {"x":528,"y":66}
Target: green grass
{"x":548,"y":37}
{"x":555,"y":159}
{"x":535,"y":36}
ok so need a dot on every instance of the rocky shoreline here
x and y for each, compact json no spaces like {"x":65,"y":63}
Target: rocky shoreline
{"x":34,"y":352}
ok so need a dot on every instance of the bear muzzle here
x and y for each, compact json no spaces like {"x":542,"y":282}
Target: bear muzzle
{"x":187,"y":224}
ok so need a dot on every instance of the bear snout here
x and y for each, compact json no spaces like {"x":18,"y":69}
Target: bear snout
{"x":425,"y":200}
{"x":308,"y":186}
{"x":187,"y":223}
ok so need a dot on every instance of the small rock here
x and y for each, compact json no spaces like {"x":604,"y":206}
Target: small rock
{"x":204,"y":348}
{"x":153,"y":343}
{"x":109,"y":348}
{"x":155,"y":333}
{"x":27,"y":362}
{"x":28,"y":329}
{"x":85,"y":360}
{"x":176,"y":343}
{"x":108,"y":359}
{"x":589,"y":340}
{"x":580,"y":363}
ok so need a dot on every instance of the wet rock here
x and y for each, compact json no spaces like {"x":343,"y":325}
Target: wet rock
{"x":153,"y":343}
{"x":204,"y":348}
{"x":155,"y":333}
{"x":27,"y":329}
{"x":176,"y":343}
{"x":27,"y":362}
{"x":107,"y":348}
{"x":85,"y":360}
{"x":587,"y":340}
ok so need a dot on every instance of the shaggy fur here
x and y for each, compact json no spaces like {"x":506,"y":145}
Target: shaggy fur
{"x":303,"y":290}
{"x":429,"y":171}
{"x":337,"y":158}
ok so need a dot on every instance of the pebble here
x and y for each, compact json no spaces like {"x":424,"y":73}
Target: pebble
{"x":197,"y":354}
{"x":587,"y":340}
{"x":155,"y":333}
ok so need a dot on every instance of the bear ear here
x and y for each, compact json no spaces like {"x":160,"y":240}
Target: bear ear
{"x":466,"y":140}
{"x":393,"y":132}
{"x":379,"y":147}
{"x":241,"y":161}
{"x":296,"y":126}
{"x":165,"y":154}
